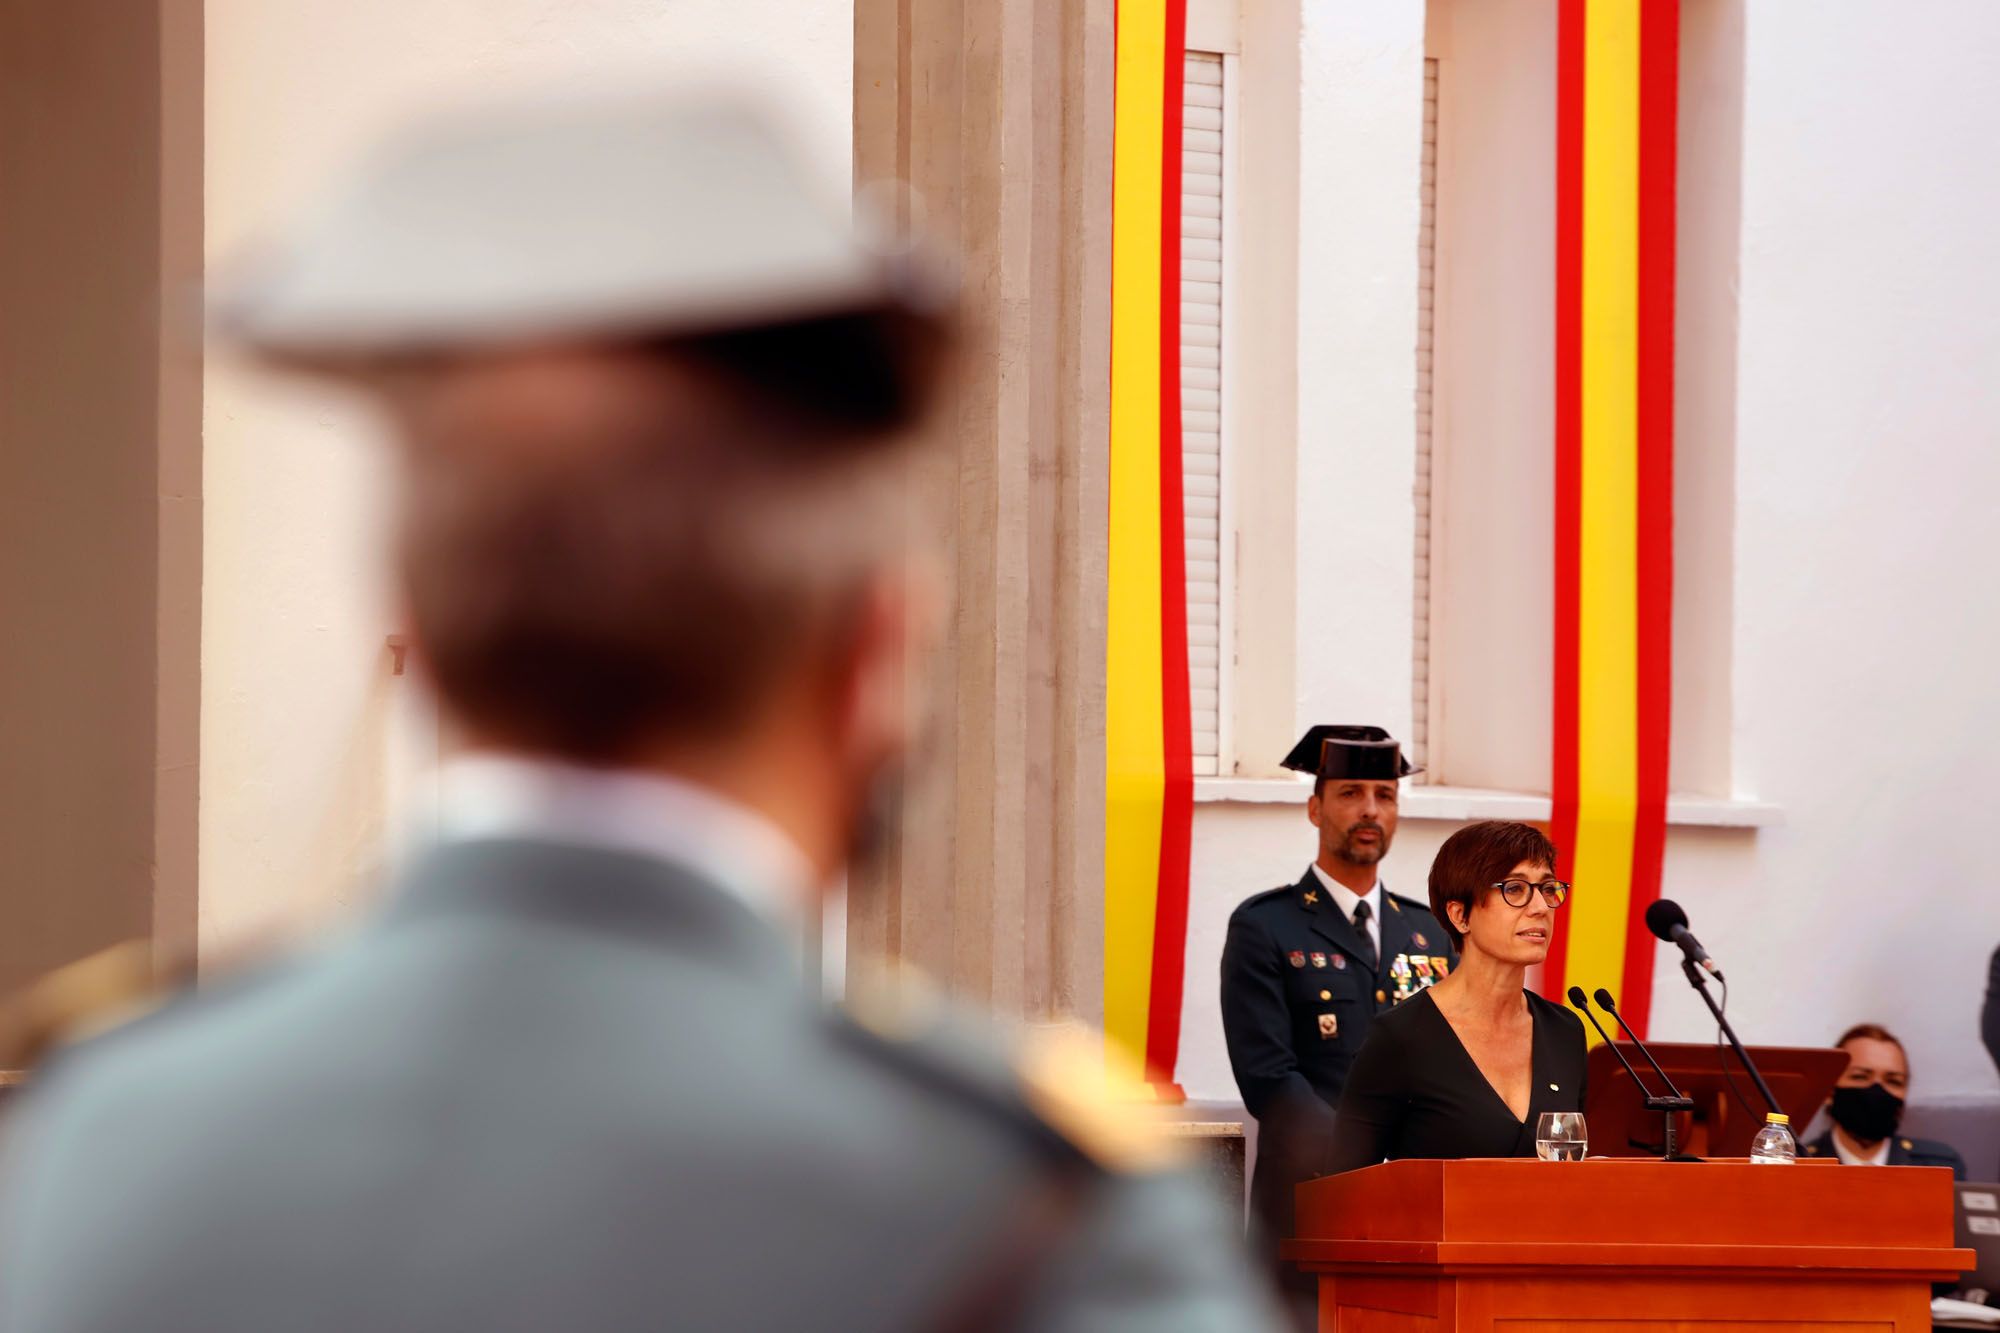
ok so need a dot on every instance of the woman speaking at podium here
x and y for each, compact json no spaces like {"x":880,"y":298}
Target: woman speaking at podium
{"x":1467,"y":1065}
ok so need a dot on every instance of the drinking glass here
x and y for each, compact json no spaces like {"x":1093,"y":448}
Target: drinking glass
{"x":1561,"y":1136}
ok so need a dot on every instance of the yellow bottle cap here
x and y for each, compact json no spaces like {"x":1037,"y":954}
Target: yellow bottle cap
{"x":1776,"y":1119}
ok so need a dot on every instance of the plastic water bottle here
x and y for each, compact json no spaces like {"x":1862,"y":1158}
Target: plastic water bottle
{"x":1774,"y":1142}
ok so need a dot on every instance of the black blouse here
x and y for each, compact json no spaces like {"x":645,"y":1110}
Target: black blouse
{"x":1414,"y":1090}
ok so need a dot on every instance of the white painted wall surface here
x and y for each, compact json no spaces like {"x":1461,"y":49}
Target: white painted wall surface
{"x":1492,"y":538}
{"x":1361,"y":70}
{"x":308,"y":745}
{"x":1867,"y":461}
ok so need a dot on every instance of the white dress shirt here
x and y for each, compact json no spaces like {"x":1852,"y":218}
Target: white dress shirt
{"x":1347,"y":900}
{"x":490,"y":795}
{"x":1880,"y":1157}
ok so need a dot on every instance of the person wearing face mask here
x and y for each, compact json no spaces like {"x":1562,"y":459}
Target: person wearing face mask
{"x":1867,"y":1108}
{"x":1468,"y":1067}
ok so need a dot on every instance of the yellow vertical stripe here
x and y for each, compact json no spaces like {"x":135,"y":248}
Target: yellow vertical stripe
{"x":1607,"y":704}
{"x":1135,"y":777}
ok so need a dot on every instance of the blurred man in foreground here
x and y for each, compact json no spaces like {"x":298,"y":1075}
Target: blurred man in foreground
{"x":1867,"y":1108}
{"x":654,"y":406}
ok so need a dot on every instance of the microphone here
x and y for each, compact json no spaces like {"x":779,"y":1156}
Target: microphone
{"x":1667,"y":1105}
{"x":1665,"y":918}
{"x":1610,"y":1006}
{"x":1675,"y":1100}
{"x":1583,"y":1006}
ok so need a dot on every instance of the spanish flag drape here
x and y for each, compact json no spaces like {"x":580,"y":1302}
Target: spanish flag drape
{"x":1615,"y":144}
{"x":1149,"y":784}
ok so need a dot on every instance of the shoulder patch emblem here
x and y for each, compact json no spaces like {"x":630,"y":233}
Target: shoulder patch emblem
{"x":82,"y":999}
{"x":1108,"y":1113}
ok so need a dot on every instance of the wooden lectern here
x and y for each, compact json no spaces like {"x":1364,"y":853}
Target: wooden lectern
{"x":1625,"y":1246}
{"x":1728,"y":1112}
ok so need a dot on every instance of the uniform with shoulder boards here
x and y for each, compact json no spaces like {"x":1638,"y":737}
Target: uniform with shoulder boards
{"x":1302,"y":978}
{"x":1903,"y":1151}
{"x":1866,"y":1108}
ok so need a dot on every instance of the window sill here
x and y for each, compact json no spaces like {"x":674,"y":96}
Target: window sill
{"x":1462,"y":803}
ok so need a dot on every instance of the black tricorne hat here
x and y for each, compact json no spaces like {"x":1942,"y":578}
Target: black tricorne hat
{"x":1360,"y":753}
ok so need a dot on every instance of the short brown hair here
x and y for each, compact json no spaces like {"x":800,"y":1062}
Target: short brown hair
{"x":605,"y":547}
{"x":1876,"y":1032}
{"x":1477,"y":857}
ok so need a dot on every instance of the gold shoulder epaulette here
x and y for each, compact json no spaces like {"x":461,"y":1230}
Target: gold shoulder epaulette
{"x":92,"y":995}
{"x":1062,"y":1074}
{"x":1085,"y":1092}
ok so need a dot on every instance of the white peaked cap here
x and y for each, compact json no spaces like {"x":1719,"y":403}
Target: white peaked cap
{"x":566,"y":218}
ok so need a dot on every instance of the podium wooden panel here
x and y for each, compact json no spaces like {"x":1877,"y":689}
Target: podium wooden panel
{"x":1625,"y":1246}
{"x":1720,"y":1125}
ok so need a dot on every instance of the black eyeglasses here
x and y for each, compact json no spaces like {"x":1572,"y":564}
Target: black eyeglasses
{"x":1516,"y":892}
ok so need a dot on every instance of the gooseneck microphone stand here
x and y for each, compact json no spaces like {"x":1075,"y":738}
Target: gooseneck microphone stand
{"x":1666,"y":1106}
{"x":1693,"y":971}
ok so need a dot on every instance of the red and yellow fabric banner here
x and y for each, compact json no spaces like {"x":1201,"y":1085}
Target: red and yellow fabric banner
{"x":1149,"y":783}
{"x":1614,"y":453}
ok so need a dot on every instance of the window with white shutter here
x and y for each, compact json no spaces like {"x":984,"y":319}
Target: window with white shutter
{"x":1420,"y":647}
{"x":1203,"y":180}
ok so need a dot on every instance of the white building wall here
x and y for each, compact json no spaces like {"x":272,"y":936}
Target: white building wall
{"x":1361,"y":80}
{"x":1868,"y":461}
{"x":308,"y":744}
{"x":1866,"y":465}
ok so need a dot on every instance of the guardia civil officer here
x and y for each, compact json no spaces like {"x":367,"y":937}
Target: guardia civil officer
{"x":652,"y":402}
{"x":1866,"y":1108}
{"x":1305,"y":966}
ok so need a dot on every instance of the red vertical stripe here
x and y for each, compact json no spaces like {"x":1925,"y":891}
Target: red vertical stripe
{"x":1659,"y":73}
{"x":1568,"y":457}
{"x":1163,"y":1020}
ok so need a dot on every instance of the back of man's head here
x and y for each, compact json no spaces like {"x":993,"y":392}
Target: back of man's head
{"x":611,"y":548}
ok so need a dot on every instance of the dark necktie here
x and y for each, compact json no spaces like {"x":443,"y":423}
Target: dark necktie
{"x":1361,"y":916}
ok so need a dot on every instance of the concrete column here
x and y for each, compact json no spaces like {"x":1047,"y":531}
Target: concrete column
{"x":100,"y":478}
{"x":997,"y":113}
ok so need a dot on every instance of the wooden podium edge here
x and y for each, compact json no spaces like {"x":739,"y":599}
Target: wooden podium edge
{"x":1832,"y":1262}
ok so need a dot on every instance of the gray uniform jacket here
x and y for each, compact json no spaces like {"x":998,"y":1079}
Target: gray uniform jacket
{"x":552,"y":1087}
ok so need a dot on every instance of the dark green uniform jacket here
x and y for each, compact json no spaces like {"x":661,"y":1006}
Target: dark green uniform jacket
{"x":1297,"y":999}
{"x":1902,"y":1152}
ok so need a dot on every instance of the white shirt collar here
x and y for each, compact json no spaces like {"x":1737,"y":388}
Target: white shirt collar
{"x":490,"y":795}
{"x":1880,"y":1157}
{"x":1347,"y":899}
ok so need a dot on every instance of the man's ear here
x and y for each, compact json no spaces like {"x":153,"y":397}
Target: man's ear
{"x":876,"y":718}
{"x":1313,"y":807}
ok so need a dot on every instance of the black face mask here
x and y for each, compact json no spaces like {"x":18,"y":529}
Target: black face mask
{"x":1870,"y":1114}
